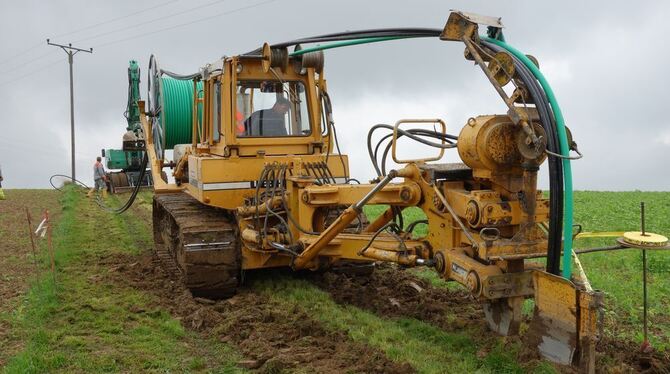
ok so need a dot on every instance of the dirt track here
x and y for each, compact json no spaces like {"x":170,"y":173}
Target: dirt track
{"x":16,"y":260}
{"x":395,"y":293}
{"x":270,"y":337}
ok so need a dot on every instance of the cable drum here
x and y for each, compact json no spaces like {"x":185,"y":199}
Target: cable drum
{"x":171,"y":106}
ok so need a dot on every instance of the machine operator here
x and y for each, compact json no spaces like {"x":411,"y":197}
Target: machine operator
{"x":268,"y":122}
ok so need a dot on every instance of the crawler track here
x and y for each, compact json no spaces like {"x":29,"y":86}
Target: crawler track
{"x":197,"y":243}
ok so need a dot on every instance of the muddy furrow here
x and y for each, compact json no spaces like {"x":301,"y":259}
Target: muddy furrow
{"x":395,"y":293}
{"x":270,"y":338}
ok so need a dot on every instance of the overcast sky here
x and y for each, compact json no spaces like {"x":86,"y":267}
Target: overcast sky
{"x":606,"y":61}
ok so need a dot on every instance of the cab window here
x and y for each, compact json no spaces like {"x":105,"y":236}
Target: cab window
{"x":271,"y":109}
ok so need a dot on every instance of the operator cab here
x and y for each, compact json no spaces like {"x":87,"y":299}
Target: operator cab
{"x":264,"y":110}
{"x":271,"y":109}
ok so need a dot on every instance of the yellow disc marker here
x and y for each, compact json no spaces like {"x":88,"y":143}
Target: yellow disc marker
{"x":647,"y":240}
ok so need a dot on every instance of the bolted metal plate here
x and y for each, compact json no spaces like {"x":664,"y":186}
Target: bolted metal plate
{"x":508,"y":285}
{"x":502,"y":67}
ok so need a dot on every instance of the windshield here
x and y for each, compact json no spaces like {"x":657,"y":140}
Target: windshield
{"x":271,"y":109}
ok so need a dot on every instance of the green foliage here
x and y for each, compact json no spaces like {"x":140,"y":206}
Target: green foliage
{"x":409,"y":215}
{"x":89,"y":322}
{"x":619,"y":274}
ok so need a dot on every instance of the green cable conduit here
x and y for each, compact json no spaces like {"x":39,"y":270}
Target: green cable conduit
{"x":560,"y":125}
{"x":176,"y":115}
{"x":347,"y":43}
{"x":563,"y":140}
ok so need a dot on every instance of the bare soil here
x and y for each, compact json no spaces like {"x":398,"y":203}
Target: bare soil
{"x":16,"y":259}
{"x":395,"y":293}
{"x":270,"y":337}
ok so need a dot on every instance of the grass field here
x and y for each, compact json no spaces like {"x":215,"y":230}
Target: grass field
{"x":109,"y":310}
{"x":618,"y":274}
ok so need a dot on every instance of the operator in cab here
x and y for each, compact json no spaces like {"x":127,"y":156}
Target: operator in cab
{"x":268,"y":122}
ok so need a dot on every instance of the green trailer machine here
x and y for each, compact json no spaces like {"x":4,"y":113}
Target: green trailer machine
{"x":125,"y":165}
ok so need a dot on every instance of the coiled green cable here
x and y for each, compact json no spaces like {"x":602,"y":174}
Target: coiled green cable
{"x":176,"y":115}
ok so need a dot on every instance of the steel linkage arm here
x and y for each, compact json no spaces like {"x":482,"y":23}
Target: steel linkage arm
{"x":343,"y":221}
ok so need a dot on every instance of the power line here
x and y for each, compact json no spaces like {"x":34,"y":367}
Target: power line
{"x":50,"y":65}
{"x":185,"y":24}
{"x":153,"y":7}
{"x":143,"y":23}
{"x":21,"y":66}
{"x":35,"y":46}
{"x":20,"y":54}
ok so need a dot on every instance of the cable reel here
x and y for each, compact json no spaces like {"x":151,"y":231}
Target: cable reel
{"x":274,"y":57}
{"x":154,"y":100}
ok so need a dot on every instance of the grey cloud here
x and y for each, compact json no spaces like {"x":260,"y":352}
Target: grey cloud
{"x":613,"y":98}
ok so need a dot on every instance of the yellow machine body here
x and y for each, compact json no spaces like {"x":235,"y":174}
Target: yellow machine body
{"x":484,"y":216}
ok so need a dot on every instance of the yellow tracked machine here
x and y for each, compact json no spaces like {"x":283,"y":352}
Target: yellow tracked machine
{"x":259,"y":182}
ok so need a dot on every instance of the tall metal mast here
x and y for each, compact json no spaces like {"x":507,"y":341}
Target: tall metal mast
{"x":71,"y":51}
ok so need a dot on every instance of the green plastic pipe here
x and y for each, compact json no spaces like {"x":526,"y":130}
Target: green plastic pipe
{"x":347,"y":43}
{"x":177,"y":110}
{"x":560,"y":124}
{"x":563,"y":141}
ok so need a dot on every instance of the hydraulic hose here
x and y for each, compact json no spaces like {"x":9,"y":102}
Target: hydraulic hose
{"x":133,"y":195}
{"x":359,"y":34}
{"x":563,"y":142}
{"x":555,"y":123}
{"x":555,"y":167}
{"x":100,"y":203}
{"x":347,"y":43}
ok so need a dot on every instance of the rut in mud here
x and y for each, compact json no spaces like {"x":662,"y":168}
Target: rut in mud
{"x":395,"y":293}
{"x":270,"y":337}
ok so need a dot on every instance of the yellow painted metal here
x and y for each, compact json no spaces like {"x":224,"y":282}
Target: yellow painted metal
{"x":394,"y":142}
{"x":326,"y":237}
{"x":155,"y":164}
{"x":390,"y":256}
{"x":221,"y":181}
{"x":350,"y":243}
{"x":602,"y":234}
{"x":479,"y":227}
{"x":646,"y":239}
{"x":566,"y":321}
{"x":378,"y":223}
{"x":555,"y":324}
{"x":400,"y":194}
{"x":461,"y":267}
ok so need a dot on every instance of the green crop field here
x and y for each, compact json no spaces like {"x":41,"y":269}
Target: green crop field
{"x":108,"y":308}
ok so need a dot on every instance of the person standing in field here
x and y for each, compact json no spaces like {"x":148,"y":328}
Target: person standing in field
{"x":99,"y":178}
{"x":2,"y":193}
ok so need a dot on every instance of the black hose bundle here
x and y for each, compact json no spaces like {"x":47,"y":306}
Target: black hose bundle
{"x":555,"y":165}
{"x":98,"y":201}
{"x":358,"y":34}
{"x":414,"y":134}
{"x":419,"y":135}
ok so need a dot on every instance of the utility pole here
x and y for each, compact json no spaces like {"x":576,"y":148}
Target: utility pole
{"x":71,"y":51}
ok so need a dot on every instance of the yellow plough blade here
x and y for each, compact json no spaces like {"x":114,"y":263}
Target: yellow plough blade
{"x":566,"y":321}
